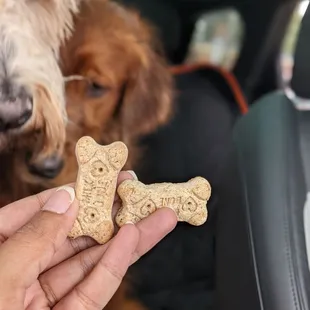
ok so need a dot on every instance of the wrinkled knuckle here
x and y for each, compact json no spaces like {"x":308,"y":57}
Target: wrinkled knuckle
{"x":112,"y":270}
{"x":86,"y":301}
{"x":80,"y":244}
{"x":40,"y":200}
{"x":75,"y":245}
{"x":86,"y":263}
{"x":49,"y":293}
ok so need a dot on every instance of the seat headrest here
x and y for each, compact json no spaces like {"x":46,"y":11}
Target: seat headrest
{"x":300,"y":82}
{"x":165,"y":18}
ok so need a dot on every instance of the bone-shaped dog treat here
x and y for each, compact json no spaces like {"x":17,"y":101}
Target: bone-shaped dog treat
{"x":188,"y":200}
{"x":95,"y":187}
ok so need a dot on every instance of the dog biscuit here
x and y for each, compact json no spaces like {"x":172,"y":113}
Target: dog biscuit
{"x":95,"y":187}
{"x":188,"y":200}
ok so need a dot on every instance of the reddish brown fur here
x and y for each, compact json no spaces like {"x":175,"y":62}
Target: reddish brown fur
{"x":115,"y":48}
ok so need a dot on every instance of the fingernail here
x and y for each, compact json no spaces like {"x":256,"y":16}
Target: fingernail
{"x":135,"y":177}
{"x":70,"y":190}
{"x":61,"y":200}
{"x":129,"y":223}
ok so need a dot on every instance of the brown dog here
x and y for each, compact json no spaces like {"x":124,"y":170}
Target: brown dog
{"x":125,"y":91}
{"x":126,"y":87}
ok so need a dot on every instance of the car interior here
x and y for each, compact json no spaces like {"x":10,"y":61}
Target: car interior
{"x":245,"y":133}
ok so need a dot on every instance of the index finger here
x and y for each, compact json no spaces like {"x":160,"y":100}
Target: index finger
{"x":18,"y":213}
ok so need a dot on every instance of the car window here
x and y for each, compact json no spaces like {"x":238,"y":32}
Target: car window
{"x":290,"y":40}
{"x":217,"y":38}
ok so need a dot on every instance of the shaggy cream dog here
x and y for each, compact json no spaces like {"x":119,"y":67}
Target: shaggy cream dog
{"x":32,"y":95}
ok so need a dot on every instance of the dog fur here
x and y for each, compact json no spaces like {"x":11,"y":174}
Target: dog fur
{"x":119,"y":86}
{"x":31,"y":32}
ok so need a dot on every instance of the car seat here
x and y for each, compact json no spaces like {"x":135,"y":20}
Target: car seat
{"x":262,"y":224}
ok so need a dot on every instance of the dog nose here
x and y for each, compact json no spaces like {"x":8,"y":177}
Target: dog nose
{"x":48,"y":168}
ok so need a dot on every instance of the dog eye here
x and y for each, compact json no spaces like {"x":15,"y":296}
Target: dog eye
{"x":96,"y":90}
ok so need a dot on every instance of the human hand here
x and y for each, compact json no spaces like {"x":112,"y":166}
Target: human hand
{"x":40,"y":268}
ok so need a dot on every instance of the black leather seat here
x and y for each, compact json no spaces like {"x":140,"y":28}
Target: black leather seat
{"x":261,"y":254}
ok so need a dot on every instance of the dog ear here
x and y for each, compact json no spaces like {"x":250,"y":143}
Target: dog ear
{"x":148,"y":94}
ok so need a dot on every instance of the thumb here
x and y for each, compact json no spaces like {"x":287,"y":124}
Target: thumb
{"x":28,"y":252}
